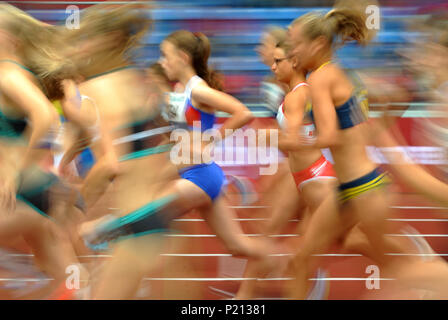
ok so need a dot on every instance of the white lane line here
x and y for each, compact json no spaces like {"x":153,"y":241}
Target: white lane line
{"x":211,"y":279}
{"x":265,"y":279}
{"x":218,"y":279}
{"x":25,"y":279}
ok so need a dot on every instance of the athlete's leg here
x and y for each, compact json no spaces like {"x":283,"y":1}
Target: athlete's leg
{"x":132,"y":259}
{"x":325,"y":228}
{"x":283,"y":208}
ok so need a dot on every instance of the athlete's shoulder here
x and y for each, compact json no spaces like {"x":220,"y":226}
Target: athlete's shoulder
{"x":329,"y":73}
{"x":200,"y":88}
{"x":9,"y":71}
{"x":297,"y":97}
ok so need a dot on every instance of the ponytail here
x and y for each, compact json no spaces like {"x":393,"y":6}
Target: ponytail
{"x":345,"y":22}
{"x":200,"y":62}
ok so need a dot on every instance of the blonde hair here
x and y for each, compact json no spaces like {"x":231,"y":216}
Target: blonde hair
{"x":345,"y":22}
{"x":131,"y":22}
{"x":38,"y":48}
{"x":277,"y":33}
{"x":285,"y":46}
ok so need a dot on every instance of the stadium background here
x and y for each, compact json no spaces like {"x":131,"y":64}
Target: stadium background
{"x":198,"y":266}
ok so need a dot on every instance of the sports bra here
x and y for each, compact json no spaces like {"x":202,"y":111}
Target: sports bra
{"x":351,"y":113}
{"x":10,"y":127}
{"x":181,"y":110}
{"x":307,"y":128}
{"x":356,"y":109}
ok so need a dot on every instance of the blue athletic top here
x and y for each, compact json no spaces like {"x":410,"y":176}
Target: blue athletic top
{"x":193,"y":115}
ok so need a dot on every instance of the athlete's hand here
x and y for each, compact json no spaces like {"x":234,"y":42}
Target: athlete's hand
{"x":70,"y":93}
{"x":306,"y":141}
{"x":294,"y":142}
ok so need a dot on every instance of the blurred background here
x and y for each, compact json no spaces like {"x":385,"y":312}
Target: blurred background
{"x":394,"y":63}
{"x":235,"y":28}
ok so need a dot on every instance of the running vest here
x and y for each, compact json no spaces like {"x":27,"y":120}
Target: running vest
{"x":181,"y":109}
{"x":308,"y":128}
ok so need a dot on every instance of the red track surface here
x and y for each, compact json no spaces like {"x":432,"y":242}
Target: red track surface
{"x":408,"y":206}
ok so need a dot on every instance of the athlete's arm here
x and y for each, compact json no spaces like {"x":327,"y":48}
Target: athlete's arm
{"x":240,"y":114}
{"x":411,"y":174}
{"x":294,"y":109}
{"x":71,"y":106}
{"x":83,"y":114}
{"x":324,"y":111}
{"x":106,"y":167}
{"x":38,"y":109}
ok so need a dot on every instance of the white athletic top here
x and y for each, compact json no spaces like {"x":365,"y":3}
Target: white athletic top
{"x":307,"y":130}
{"x":177,"y":105}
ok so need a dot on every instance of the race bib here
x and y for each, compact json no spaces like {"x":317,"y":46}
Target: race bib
{"x":174,"y":110}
